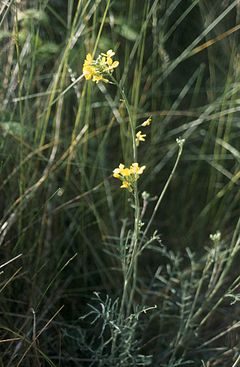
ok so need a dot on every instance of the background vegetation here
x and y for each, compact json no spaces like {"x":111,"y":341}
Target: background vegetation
{"x":64,"y":220}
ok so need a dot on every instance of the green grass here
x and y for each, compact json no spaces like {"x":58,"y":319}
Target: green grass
{"x":81,"y":283}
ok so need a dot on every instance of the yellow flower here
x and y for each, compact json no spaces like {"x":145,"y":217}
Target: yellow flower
{"x":118,"y":171}
{"x":89,"y":72}
{"x":112,"y":64}
{"x":125,"y":185}
{"x":147,"y":122}
{"x":97,"y":69}
{"x":116,"y":174}
{"x":126,"y":172}
{"x":88,"y":60}
{"x":140,"y":137}
{"x":110,"y":53}
{"x":136,"y":169}
{"x":98,"y":77}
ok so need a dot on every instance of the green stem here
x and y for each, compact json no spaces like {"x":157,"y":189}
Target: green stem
{"x":132,"y":125}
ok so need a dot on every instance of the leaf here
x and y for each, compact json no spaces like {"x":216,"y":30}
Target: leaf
{"x":128,"y":32}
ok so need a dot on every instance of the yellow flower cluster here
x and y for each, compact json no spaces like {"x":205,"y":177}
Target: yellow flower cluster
{"x":102,"y":66}
{"x":128,"y":176}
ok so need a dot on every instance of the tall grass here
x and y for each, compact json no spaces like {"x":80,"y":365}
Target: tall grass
{"x":90,"y":275}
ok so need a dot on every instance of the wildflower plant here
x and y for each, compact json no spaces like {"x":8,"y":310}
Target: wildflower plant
{"x":55,"y":191}
{"x":100,"y":70}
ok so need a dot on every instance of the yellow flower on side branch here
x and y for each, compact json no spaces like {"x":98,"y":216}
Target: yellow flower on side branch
{"x":147,"y":122}
{"x":128,"y":176}
{"x":139,"y":137}
{"x":96,"y":70}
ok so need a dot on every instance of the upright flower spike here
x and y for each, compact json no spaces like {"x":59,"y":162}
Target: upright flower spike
{"x":128,"y":176}
{"x":96,"y":70}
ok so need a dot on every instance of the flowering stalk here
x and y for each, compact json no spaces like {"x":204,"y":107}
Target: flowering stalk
{"x":130,"y":275}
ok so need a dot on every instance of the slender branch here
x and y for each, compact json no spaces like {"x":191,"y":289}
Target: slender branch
{"x":164,"y":190}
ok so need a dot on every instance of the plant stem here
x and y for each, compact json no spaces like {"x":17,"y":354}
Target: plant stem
{"x":131,"y":273}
